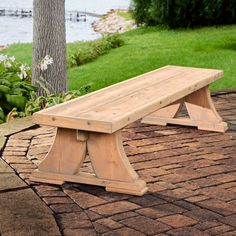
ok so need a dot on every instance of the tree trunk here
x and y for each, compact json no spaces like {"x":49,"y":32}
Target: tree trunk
{"x":49,"y":39}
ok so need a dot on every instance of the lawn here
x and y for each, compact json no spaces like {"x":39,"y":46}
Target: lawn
{"x":148,"y":48}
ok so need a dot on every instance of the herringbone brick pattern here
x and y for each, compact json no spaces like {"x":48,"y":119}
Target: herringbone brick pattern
{"x":191,"y":176}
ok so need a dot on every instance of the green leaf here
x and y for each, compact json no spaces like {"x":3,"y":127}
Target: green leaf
{"x":17,"y":101}
{"x":13,"y":78}
{"x":4,"y":89}
{"x":5,"y":82}
{"x":12,"y":114}
{"x":2,"y":115}
{"x":18,"y":91}
{"x":28,"y":87}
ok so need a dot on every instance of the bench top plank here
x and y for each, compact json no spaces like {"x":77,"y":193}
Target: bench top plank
{"x":114,"y":107}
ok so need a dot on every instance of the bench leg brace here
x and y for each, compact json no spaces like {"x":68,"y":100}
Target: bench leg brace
{"x":200,"y":108}
{"x":111,"y":166}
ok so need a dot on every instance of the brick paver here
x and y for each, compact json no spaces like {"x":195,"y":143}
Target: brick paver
{"x":21,"y":210}
{"x":191,"y":176}
{"x":177,"y":221}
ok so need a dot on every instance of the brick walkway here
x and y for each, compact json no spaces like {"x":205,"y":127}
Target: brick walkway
{"x":191,"y":177}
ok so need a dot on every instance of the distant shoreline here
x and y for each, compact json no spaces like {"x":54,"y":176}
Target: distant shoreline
{"x":114,"y":22}
{"x":2,"y":47}
{"x":94,"y":26}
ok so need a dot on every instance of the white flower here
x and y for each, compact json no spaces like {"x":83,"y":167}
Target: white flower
{"x":23,"y":71}
{"x":43,"y":66}
{"x":20,"y":76}
{"x":22,"y":67}
{"x":6,"y":60}
{"x":12,"y":59}
{"x":2,"y":57}
{"x":7,"y":64}
{"x":47,"y":60}
{"x":24,"y":74}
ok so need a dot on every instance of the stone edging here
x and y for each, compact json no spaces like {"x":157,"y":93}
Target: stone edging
{"x":223,"y":92}
{"x":22,"y":211}
{"x":13,"y":127}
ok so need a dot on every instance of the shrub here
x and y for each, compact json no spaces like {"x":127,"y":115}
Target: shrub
{"x":15,"y":88}
{"x":184,"y":13}
{"x":37,"y":103}
{"x":115,"y":41}
{"x":18,"y":98}
{"x":85,"y":53}
{"x":140,"y":10}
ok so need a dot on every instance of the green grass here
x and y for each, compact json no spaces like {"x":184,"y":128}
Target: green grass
{"x":125,"y":14}
{"x":22,"y":52}
{"x":150,"y":48}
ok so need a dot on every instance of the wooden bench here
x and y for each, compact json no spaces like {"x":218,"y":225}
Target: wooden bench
{"x":92,"y":124}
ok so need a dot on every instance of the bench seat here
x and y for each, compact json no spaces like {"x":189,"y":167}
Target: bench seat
{"x":92,"y":125}
{"x":114,"y":107}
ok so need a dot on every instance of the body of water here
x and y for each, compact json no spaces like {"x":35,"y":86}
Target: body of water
{"x":16,"y":29}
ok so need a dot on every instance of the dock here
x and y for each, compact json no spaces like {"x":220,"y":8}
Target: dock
{"x":28,"y":12}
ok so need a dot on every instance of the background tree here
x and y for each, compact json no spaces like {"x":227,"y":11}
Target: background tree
{"x":184,"y":13}
{"x":49,"y":39}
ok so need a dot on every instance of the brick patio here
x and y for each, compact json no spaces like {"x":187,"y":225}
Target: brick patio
{"x":191,"y":176}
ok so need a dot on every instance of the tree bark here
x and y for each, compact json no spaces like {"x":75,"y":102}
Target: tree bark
{"x":49,"y":38}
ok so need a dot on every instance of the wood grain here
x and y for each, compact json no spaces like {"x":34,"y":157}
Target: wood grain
{"x":114,"y":107}
{"x":201,"y":111}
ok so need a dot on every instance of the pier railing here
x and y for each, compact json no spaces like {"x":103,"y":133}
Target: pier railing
{"x":27,"y":12}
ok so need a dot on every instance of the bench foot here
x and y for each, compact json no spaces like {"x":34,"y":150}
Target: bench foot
{"x":110,"y":164}
{"x":137,"y":187}
{"x":201,"y":110}
{"x":44,"y":179}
